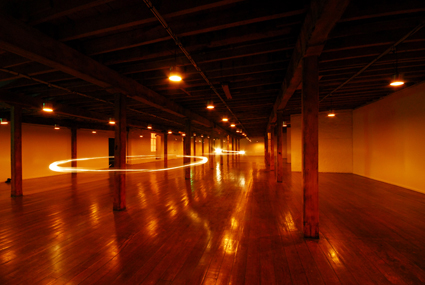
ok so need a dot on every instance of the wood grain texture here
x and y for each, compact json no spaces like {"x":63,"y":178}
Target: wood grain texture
{"x":279,"y":148}
{"x":310,"y":145}
{"x":120,"y":159}
{"x":16,"y":151}
{"x":266,"y":151}
{"x":231,"y":224}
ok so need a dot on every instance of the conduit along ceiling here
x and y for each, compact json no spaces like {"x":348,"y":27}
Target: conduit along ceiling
{"x":78,"y":54}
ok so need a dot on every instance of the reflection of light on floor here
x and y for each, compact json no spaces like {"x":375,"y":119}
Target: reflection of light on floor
{"x":290,"y":222}
{"x":229,"y":244}
{"x":7,"y":255}
{"x":55,"y":165}
{"x":334,"y":256}
{"x":218,"y":172}
{"x":234,"y":223}
{"x":94,"y":213}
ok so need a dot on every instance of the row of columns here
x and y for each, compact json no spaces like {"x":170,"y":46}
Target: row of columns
{"x":310,"y":138}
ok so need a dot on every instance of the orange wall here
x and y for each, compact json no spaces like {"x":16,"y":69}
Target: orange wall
{"x":389,"y":139}
{"x":253,"y":148}
{"x":335,"y":142}
{"x":93,"y":145}
{"x":4,"y":152}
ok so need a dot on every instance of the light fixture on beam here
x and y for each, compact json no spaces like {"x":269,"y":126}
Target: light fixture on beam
{"x":93,"y":132}
{"x":284,"y":124}
{"x":170,"y":132}
{"x":57,"y":127}
{"x":175,"y":74}
{"x":47,"y":107}
{"x":210,"y":105}
{"x":183,"y":134}
{"x":331,"y":113}
{"x":141,"y":136}
{"x":225,"y":119}
{"x":397,"y":80}
{"x":111,"y":121}
{"x":150,"y":126}
{"x":232,"y":125}
{"x":3,"y":121}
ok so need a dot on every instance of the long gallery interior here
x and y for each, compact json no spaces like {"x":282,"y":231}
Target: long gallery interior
{"x":212,"y":142}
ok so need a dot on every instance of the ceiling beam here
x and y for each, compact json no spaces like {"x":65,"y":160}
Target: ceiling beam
{"x":28,"y":42}
{"x":320,"y":19}
{"x":132,"y":16}
{"x":190,"y":27}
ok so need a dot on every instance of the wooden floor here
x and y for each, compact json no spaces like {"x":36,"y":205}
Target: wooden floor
{"x":229,"y":225}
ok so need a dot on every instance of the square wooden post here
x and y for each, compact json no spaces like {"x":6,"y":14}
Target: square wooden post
{"x":279,"y":146}
{"x":221,"y":155}
{"x":186,"y":149}
{"x":310,"y":150}
{"x":266,"y":151}
{"x":272,"y":162}
{"x":228,"y":148}
{"x":16,"y":151}
{"x":165,"y":149}
{"x":202,"y":141}
{"x":120,"y":159}
{"x":73,"y":150}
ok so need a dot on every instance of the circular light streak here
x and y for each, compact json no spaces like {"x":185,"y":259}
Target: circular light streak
{"x":225,"y":152}
{"x":55,"y":166}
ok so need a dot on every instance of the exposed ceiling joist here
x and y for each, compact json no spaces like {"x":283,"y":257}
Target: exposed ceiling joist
{"x":320,"y":19}
{"x":27,"y":42}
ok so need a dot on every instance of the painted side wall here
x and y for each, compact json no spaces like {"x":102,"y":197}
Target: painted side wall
{"x":4,"y":152}
{"x":93,"y":145}
{"x":335,"y":142}
{"x":254,"y":148}
{"x":389,"y":139}
{"x":42,"y":145}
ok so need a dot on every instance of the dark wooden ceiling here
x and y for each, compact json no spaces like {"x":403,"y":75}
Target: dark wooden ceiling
{"x":77,"y":54}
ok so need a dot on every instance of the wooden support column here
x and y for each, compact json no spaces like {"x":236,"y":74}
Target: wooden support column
{"x":74,"y":150}
{"x":228,"y":148}
{"x":165,"y":149}
{"x":120,"y":151}
{"x":272,"y":162}
{"x":233,"y":148}
{"x":211,"y":149}
{"x":221,"y":155}
{"x":16,"y":151}
{"x":279,"y":146}
{"x":202,"y":145}
{"x":310,"y":138}
{"x":194,"y":145}
{"x":186,"y":149}
{"x":266,"y":151}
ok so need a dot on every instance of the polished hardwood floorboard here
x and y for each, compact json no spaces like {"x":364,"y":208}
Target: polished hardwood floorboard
{"x":229,"y":225}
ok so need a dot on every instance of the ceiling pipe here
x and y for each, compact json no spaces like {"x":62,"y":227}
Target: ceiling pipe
{"x":187,"y":54}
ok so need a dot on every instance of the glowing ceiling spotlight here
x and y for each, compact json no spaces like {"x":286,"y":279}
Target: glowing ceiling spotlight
{"x":93,"y":132}
{"x":331,"y":113}
{"x":170,"y":132}
{"x":150,"y":126}
{"x":225,"y":119}
{"x":47,"y":107}
{"x":3,"y":121}
{"x":111,"y":121}
{"x":175,"y":74}
{"x":210,"y":105}
{"x":232,"y":125}
{"x":57,"y":127}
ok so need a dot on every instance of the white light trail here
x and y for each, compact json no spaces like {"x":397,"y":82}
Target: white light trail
{"x":55,"y":166}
